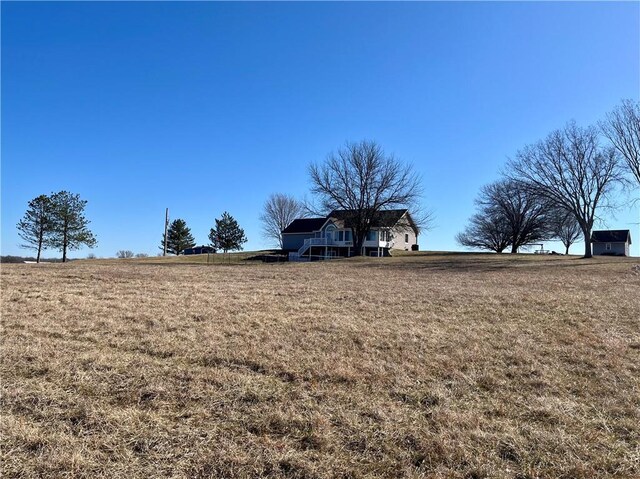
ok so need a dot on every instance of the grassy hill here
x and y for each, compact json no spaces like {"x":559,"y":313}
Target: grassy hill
{"x":421,"y":365}
{"x":216,"y":258}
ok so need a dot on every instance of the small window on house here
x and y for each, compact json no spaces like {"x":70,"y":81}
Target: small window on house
{"x":608,"y":247}
{"x":347,"y":235}
{"x":406,"y":238}
{"x":340,"y":235}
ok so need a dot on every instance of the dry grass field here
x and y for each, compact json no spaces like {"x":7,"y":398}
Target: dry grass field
{"x":428,"y":365}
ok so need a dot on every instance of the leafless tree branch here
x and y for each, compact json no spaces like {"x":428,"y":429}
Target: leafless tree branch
{"x":622,"y":128}
{"x":277,"y":213}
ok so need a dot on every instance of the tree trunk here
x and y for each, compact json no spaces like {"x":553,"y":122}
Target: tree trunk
{"x":39,"y":249}
{"x":358,"y":241}
{"x":64,"y":246}
{"x":514,"y":249}
{"x":587,"y":244}
{"x":566,"y":249}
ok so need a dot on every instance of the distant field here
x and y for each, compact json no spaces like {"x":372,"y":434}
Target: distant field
{"x":425,"y":365}
{"x":215,"y":258}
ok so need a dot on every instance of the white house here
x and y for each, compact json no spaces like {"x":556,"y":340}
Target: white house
{"x":332,"y":235}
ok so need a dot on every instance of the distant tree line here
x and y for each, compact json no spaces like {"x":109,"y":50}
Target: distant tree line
{"x":56,"y":221}
{"x":22,"y":259}
{"x":553,"y":189}
{"x":127,"y":254}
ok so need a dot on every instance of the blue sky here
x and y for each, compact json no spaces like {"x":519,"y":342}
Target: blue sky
{"x":207,"y":107}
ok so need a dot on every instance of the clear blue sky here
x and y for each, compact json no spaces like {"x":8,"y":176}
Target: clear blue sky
{"x":207,"y":107}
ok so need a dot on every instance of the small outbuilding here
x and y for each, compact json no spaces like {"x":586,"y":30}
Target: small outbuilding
{"x":199,"y":250}
{"x":611,"y":242}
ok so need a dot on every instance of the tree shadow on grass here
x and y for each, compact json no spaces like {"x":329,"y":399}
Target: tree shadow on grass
{"x":474,"y":263}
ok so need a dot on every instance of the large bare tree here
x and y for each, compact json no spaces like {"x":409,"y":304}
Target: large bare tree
{"x":277,"y":213}
{"x":570,"y":169}
{"x":523,"y":212}
{"x":486,"y":230}
{"x":622,"y":128}
{"x":362,"y":180}
{"x":564,"y":227}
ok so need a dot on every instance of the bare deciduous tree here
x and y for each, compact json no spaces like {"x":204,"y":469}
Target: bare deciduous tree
{"x":361,"y":179}
{"x":572,"y":171}
{"x":622,"y":128}
{"x":486,"y":230}
{"x":523,"y":212}
{"x":564,"y":227}
{"x":277,"y":213}
{"x":124,"y":254}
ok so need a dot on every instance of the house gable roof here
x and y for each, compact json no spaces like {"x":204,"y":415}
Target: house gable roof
{"x":611,"y":236}
{"x":382,"y":219}
{"x":305,"y":225}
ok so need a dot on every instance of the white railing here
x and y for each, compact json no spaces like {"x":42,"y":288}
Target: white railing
{"x":315,"y":242}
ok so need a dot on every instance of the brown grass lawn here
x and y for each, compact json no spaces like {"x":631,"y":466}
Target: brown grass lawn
{"x":461,"y":366}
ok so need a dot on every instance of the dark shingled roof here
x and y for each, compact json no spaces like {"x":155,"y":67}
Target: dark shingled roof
{"x":611,"y":236}
{"x":305,"y":225}
{"x":384,"y":218}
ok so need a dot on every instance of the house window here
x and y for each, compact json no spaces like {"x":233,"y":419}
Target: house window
{"x":340,"y":235}
{"x":329,"y":232}
{"x":406,"y":238}
{"x":372,"y":235}
{"x":608,"y":247}
{"x":347,"y":235}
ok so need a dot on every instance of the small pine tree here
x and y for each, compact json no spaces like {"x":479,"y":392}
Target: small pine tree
{"x":70,"y":228}
{"x":227,"y":234}
{"x":35,"y":226}
{"x":179,"y":237}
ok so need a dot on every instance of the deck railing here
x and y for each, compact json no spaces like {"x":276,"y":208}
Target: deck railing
{"x":322,"y":242}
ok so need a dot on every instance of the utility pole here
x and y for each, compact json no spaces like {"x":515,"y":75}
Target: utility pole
{"x":166,"y":225}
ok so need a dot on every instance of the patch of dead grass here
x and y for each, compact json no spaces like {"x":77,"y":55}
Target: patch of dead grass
{"x":426,"y":365}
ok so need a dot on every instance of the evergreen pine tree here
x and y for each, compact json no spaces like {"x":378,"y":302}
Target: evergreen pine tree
{"x":70,"y":228}
{"x":179,"y":237}
{"x":227,"y":234}
{"x":35,"y":226}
